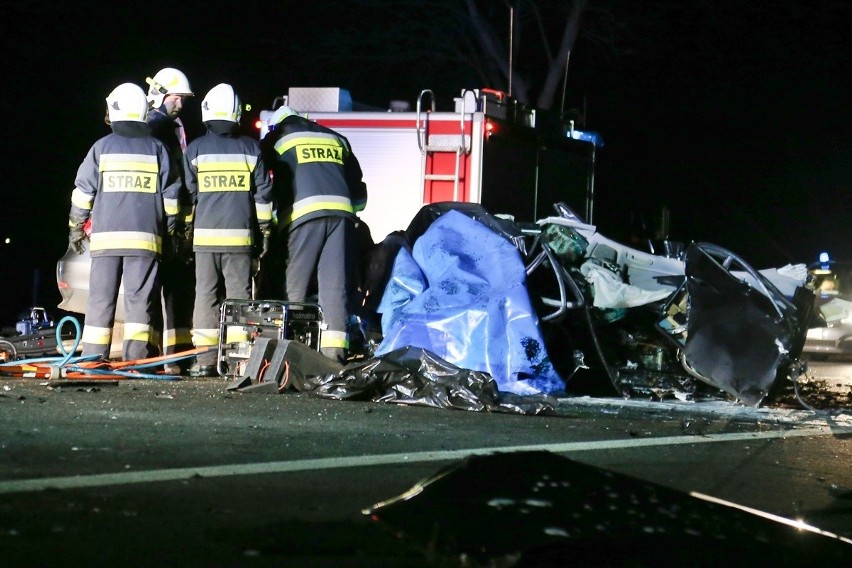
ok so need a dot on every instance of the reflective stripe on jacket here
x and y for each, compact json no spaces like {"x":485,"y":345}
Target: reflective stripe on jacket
{"x":126,"y":185}
{"x":230,"y":188}
{"x":324,"y":176}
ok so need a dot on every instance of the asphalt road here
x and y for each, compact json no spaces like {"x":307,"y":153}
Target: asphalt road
{"x":186,"y":473}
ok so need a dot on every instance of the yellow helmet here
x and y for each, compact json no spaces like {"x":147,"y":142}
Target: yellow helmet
{"x":167,"y":81}
{"x":127,"y":102}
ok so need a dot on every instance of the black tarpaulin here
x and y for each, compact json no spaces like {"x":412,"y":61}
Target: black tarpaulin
{"x":418,"y":377}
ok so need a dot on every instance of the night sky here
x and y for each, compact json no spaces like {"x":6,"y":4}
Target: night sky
{"x":733,"y":114}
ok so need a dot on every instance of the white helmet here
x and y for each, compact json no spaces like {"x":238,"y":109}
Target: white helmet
{"x":127,"y":102}
{"x":167,"y":81}
{"x":221,"y":103}
{"x":280,"y":114}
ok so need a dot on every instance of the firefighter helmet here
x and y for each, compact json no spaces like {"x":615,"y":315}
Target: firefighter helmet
{"x":127,"y":102}
{"x":167,"y":81}
{"x":280,"y":114}
{"x":221,"y":103}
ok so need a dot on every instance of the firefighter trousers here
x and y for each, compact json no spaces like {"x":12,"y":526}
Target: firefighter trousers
{"x":323,"y":247}
{"x":141,"y":287}
{"x":216,"y":273}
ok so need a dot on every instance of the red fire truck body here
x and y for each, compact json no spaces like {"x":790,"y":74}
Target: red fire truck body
{"x":488,"y":150}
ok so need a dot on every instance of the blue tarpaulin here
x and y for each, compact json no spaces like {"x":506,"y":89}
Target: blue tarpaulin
{"x":461,"y":293}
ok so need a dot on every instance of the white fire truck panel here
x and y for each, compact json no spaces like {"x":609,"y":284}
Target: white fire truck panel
{"x":487,"y":151}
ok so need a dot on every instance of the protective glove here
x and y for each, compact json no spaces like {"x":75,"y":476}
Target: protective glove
{"x":76,"y":235}
{"x":264,"y":246}
{"x":75,"y":240}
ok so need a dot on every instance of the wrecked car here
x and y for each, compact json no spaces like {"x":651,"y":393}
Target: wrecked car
{"x":654,"y":326}
{"x":72,"y":279}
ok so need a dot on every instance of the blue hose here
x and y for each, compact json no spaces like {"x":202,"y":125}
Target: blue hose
{"x":78,"y":359}
{"x":77,"y":338}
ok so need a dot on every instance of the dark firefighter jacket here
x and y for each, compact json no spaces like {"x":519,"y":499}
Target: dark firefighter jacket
{"x":170,"y":131}
{"x":321,"y":177}
{"x":127,"y":186}
{"x":230,"y":188}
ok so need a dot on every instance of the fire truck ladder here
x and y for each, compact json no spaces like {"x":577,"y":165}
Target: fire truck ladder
{"x":431,"y":144}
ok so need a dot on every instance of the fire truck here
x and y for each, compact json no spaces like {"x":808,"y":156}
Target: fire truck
{"x":488,"y":149}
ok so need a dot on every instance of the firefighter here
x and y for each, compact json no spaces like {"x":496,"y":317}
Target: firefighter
{"x":126,"y":185}
{"x":319,"y":181}
{"x":230,"y":190}
{"x":168,"y":90}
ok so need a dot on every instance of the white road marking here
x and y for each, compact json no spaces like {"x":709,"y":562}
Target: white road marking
{"x":175,"y":474}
